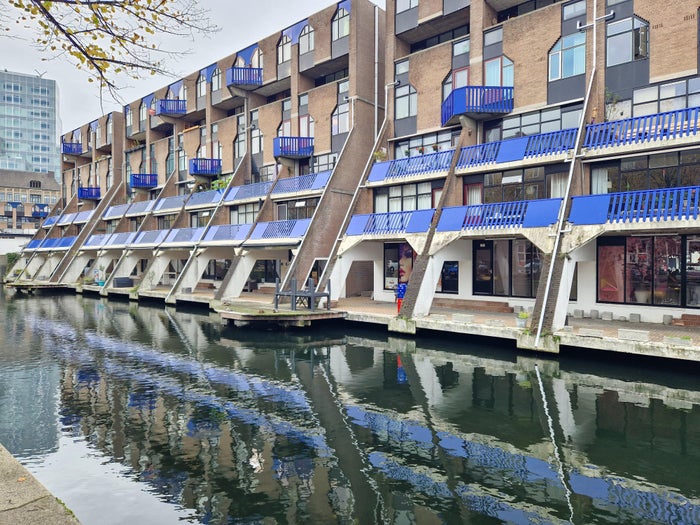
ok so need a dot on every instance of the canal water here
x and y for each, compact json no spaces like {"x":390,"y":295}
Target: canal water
{"x":148,"y":415}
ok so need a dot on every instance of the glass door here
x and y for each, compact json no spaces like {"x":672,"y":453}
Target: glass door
{"x":483,"y":268}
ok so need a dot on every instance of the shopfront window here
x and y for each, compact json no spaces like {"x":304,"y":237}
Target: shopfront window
{"x":398,"y":264}
{"x":449,"y":278}
{"x":507,"y":268}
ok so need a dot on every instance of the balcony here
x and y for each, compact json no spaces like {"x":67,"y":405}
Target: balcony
{"x":89,"y":194}
{"x":39,"y":211}
{"x":171,"y":108}
{"x":71,"y":148}
{"x":412,"y":166}
{"x":143,"y":181}
{"x":639,"y":130}
{"x":183,"y":236}
{"x":478,"y":102}
{"x":293,"y":147}
{"x":205,"y":167}
{"x":517,"y":149}
{"x":312,"y":182}
{"x":500,"y":215}
{"x":282,"y":232}
{"x":646,"y":206}
{"x":244,"y":77}
{"x":226,"y":234}
{"x":391,"y":223}
{"x":249,"y":191}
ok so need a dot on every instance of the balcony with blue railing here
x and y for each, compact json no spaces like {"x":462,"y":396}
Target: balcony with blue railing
{"x":96,"y":241}
{"x":143,"y":181}
{"x":66,"y":219}
{"x":205,"y":167}
{"x":640,"y":130}
{"x":312,"y":182}
{"x":645,"y":206}
{"x":517,"y":149}
{"x":183,"y":236}
{"x":140,"y":207}
{"x":204,"y":198}
{"x":173,"y":203}
{"x":151,"y":237}
{"x":227,"y":234}
{"x":391,"y":223}
{"x":118,"y":240}
{"x":280,"y":232}
{"x":478,"y":102}
{"x":116,"y":211}
{"x":416,"y":166}
{"x":83,"y":216}
{"x":71,"y":148}
{"x":39,"y":211}
{"x":57,"y":243}
{"x":293,"y":147}
{"x":32,"y":245}
{"x":171,"y":107}
{"x":257,"y":190}
{"x":244,"y":77}
{"x":500,"y":215}
{"x":49,"y":221}
{"x":89,"y":194}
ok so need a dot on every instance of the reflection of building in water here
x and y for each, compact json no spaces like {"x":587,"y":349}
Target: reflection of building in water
{"x":239,"y":430}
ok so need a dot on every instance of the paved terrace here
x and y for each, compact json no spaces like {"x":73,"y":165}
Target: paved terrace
{"x":650,"y":339}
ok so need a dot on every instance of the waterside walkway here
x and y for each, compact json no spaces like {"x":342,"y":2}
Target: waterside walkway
{"x":638,"y":338}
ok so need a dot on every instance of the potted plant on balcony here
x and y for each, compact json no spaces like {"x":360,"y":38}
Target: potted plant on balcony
{"x":420,"y":149}
{"x":435,"y":147}
{"x":380,"y":155}
{"x":521,"y":319}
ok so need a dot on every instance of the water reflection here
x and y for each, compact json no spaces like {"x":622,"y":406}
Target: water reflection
{"x":235,"y":425}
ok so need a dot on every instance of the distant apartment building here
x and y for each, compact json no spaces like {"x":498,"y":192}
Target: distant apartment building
{"x":26,"y":199}
{"x":28,"y":123}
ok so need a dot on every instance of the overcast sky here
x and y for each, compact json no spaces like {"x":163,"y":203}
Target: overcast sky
{"x":242,"y":22}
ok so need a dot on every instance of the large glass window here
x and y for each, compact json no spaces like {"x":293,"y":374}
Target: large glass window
{"x":306,"y":40}
{"x":216,"y":80}
{"x":201,"y":86}
{"x":627,"y":40}
{"x":340,"y":119}
{"x":406,"y":102}
{"x":405,"y":5}
{"x":568,"y":57}
{"x":499,"y":72}
{"x":508,"y":268}
{"x":398,"y":264}
{"x":340,"y":26}
{"x":406,"y":197}
{"x":284,"y":50}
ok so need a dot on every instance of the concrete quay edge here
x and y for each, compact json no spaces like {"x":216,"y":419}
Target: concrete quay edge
{"x":24,"y":500}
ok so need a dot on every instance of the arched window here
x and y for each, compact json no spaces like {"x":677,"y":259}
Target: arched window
{"x":499,"y":72}
{"x":216,"y":80}
{"x":284,"y":50}
{"x":257,"y":59}
{"x":340,"y":26}
{"x":306,"y":40}
{"x":183,"y":92}
{"x":143,"y":112}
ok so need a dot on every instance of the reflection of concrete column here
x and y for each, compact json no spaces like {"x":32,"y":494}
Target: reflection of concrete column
{"x":340,"y":437}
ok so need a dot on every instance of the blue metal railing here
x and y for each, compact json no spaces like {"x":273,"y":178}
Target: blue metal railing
{"x":72,"y":148}
{"x":204,"y":197}
{"x":141,"y":207}
{"x":49,"y":221}
{"x":170,"y":203}
{"x":66,"y":218}
{"x":143,"y":180}
{"x":249,"y":191}
{"x":301,"y":183}
{"x":184,"y":235}
{"x":205,"y":166}
{"x":150,"y":237}
{"x":551,"y":143}
{"x":116,"y":211}
{"x":289,"y":229}
{"x":40,"y":211}
{"x":478,"y":155}
{"x":123,"y":238}
{"x":293,"y":147}
{"x":485,"y":216}
{"x":666,"y":204}
{"x":244,"y":76}
{"x":227,"y":232}
{"x":171,"y":107}
{"x":477,"y":99}
{"x":421,"y":164}
{"x":33,"y":244}
{"x":96,"y":241}
{"x":83,"y":216}
{"x":660,"y":126}
{"x":89,"y":193}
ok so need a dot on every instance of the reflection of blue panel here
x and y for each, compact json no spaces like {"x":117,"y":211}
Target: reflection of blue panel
{"x":541,"y":213}
{"x":357,"y":225}
{"x":589,"y":209}
{"x":539,"y":469}
{"x":451,"y":219}
{"x":379,"y":171}
{"x":513,"y":149}
{"x":595,"y":488}
{"x":420,"y":221}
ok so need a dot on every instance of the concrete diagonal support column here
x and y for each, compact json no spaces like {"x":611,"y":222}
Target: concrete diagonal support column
{"x":416,"y":289}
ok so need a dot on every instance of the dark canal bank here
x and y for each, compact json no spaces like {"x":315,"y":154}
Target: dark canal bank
{"x":136,"y":414}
